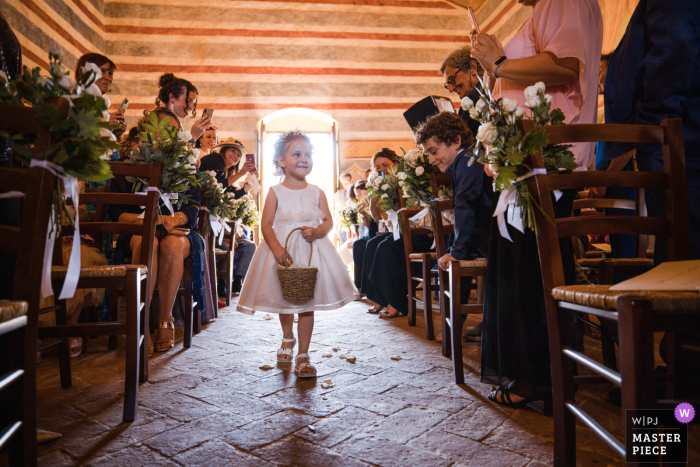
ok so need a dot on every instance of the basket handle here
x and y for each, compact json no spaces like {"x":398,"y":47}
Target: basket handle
{"x":287,"y":241}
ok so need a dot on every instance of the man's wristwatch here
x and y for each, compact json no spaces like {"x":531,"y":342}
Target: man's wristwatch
{"x":498,"y":63}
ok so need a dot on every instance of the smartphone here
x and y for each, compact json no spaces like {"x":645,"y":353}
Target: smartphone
{"x":382,"y":174}
{"x":125,"y":105}
{"x":209,"y":112}
{"x":250,"y":158}
{"x":472,"y":19}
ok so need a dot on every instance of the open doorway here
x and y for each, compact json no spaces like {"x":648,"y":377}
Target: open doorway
{"x":323,"y":132}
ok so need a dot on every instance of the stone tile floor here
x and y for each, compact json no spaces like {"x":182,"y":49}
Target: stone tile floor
{"x":211,"y":405}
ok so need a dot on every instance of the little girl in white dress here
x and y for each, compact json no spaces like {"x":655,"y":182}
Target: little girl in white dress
{"x":291,"y":204}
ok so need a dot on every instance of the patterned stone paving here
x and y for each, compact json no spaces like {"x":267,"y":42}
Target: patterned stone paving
{"x":211,"y":405}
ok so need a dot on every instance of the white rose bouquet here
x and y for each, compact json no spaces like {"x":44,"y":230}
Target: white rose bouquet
{"x":160,"y":142}
{"x":247,"y":211}
{"x":80,"y":136}
{"x":385,"y":188}
{"x":504,"y":149}
{"x":414,"y":178}
{"x":221,"y":203}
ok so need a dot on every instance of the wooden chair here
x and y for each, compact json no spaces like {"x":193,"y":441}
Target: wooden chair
{"x":638,"y":313}
{"x":451,"y":307}
{"x":133,"y":280}
{"x":19,"y":319}
{"x":228,"y":255}
{"x":427,"y":262}
{"x":209,"y":242}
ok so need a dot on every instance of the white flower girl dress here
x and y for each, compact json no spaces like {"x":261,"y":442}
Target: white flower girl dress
{"x":262,"y":290}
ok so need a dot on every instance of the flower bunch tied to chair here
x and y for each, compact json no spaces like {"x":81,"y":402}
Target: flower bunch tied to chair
{"x":222,"y":203}
{"x":163,"y":142}
{"x":349,"y":217}
{"x":414,"y":172}
{"x":505,"y":149}
{"x":387,"y":189}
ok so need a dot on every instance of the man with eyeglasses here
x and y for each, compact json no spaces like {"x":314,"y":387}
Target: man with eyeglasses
{"x":460,"y":72}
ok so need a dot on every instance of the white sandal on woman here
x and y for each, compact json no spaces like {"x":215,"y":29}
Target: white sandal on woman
{"x":298,"y":369}
{"x":283,"y":351}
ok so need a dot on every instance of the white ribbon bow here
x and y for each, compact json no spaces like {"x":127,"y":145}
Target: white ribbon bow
{"x":225,"y":228}
{"x":73,"y":273}
{"x":507,"y":202}
{"x":252,"y":180}
{"x":393,"y":217}
{"x":165,"y":197}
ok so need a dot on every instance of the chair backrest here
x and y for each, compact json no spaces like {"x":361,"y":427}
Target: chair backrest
{"x":674,"y":225}
{"x":440,"y":230}
{"x":406,"y":230}
{"x":154,"y":173}
{"x":28,"y":239}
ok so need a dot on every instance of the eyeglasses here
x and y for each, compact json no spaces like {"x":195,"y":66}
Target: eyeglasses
{"x":451,"y":78}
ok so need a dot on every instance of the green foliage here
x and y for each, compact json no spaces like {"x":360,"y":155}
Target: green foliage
{"x":505,"y":150}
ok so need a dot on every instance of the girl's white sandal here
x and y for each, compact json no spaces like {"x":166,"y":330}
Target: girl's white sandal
{"x":301,"y":366}
{"x":282,"y":351}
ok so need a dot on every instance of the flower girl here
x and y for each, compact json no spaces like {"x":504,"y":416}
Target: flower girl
{"x":291,"y":204}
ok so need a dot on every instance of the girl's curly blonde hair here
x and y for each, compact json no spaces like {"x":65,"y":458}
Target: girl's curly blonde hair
{"x":283,"y":143}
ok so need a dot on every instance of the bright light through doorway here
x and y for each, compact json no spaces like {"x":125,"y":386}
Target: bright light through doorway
{"x":322,"y":172}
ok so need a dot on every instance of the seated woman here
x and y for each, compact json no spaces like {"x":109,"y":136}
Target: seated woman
{"x":369,"y":226}
{"x":384,"y":264}
{"x":226,"y":164}
{"x":171,"y":250}
{"x":206,"y":143}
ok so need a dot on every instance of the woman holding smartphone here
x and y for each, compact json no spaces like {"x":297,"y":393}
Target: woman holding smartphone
{"x":227,"y":165}
{"x":560,"y":45}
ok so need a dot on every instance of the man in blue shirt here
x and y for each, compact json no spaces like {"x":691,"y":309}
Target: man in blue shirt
{"x":655,"y":74}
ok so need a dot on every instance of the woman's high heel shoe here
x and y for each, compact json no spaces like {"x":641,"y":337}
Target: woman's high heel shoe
{"x":163,"y":345}
{"x":289,"y":352}
{"x":502,"y":397}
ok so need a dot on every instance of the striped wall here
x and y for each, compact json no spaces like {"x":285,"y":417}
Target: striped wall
{"x":362,"y":62}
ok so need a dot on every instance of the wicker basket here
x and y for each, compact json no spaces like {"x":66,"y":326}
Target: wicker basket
{"x":297,"y":283}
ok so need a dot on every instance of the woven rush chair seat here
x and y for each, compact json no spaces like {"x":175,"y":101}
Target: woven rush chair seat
{"x":11,"y":310}
{"x":59,"y":272}
{"x":600,"y":296}
{"x":219,"y":252}
{"x":620,"y":262}
{"x":475,"y":263}
{"x":595,"y":254}
{"x":420,"y":255}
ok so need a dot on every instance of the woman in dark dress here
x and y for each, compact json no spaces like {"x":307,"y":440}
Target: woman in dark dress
{"x":385,"y":280}
{"x":359,"y":246}
{"x":226,"y":164}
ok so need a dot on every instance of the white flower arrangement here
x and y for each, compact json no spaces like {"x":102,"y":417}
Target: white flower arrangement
{"x":501,"y":147}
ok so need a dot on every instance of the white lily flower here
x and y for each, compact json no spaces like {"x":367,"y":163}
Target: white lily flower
{"x":510,"y":105}
{"x":56,"y":51}
{"x":467,"y":103}
{"x":67,"y":82}
{"x":93,"y":90}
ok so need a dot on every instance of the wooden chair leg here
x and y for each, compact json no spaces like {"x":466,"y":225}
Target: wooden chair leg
{"x":445,"y":301}
{"x":145,"y":331}
{"x":28,"y":388}
{"x":197,"y":318}
{"x":412,"y":295}
{"x":63,"y":347}
{"x":636,"y":353}
{"x":133,"y":343}
{"x":114,"y":316}
{"x":188,"y":312}
{"x":229,"y":277}
{"x":427,"y":297}
{"x":563,"y":390}
{"x":212,"y":279}
{"x":456,"y":322}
